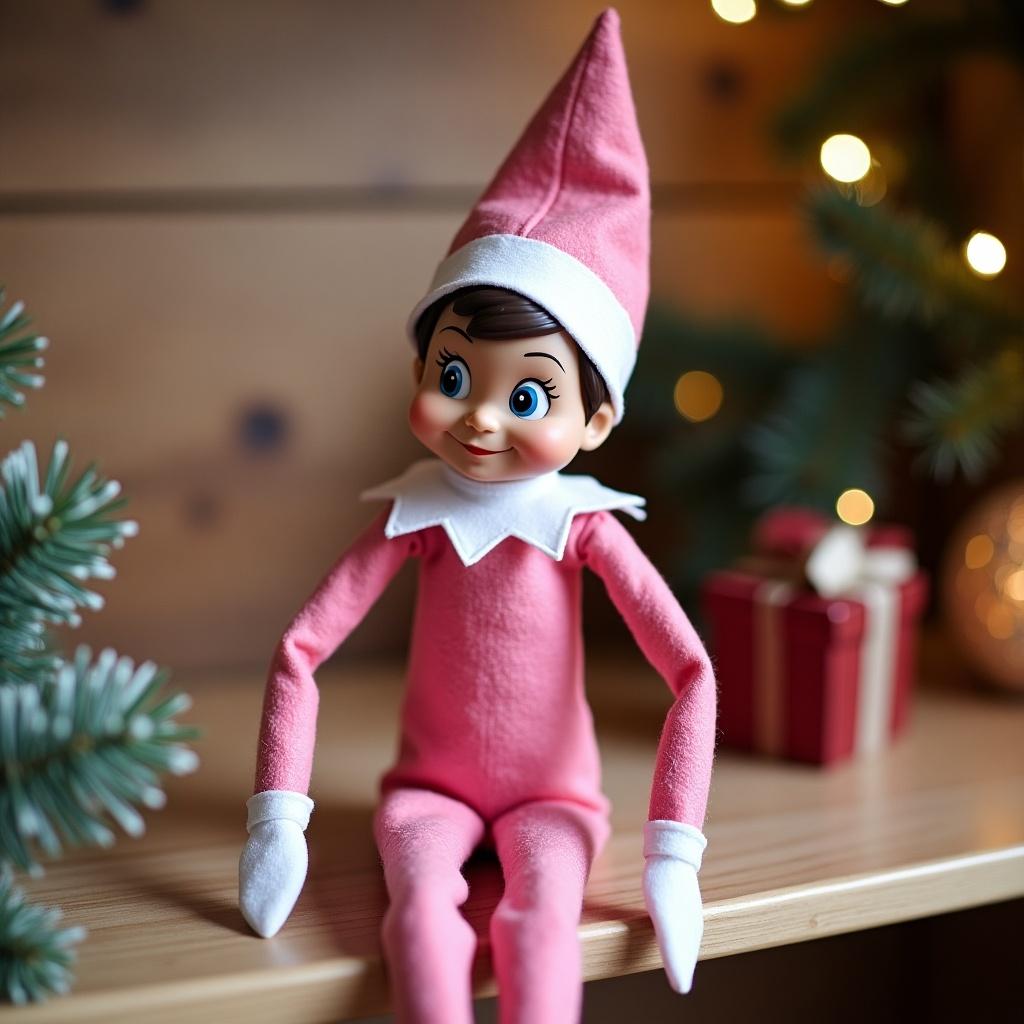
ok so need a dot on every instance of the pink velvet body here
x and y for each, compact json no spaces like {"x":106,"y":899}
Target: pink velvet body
{"x":494,"y":712}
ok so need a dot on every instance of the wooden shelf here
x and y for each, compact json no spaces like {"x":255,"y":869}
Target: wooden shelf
{"x":934,"y":825}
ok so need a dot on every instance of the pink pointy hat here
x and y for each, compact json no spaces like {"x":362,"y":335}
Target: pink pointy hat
{"x":566,"y":220}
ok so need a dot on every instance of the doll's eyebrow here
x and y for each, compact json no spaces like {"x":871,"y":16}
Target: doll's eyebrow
{"x":546,"y":355}
{"x":458,"y":330}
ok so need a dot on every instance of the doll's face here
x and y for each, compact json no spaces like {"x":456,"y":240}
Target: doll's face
{"x":502,"y":410}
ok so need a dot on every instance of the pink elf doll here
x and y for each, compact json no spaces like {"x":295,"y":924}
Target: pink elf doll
{"x":525,"y":342}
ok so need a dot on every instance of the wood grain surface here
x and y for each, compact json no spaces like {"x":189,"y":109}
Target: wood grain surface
{"x":794,"y":853}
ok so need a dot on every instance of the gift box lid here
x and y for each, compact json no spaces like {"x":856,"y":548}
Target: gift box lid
{"x":824,"y":620}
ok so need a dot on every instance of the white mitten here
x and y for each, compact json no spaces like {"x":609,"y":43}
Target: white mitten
{"x":673,"y":854}
{"x":273,"y":864}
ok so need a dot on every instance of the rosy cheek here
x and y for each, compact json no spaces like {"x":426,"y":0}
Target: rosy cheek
{"x":547,"y":441}
{"x":424,"y":414}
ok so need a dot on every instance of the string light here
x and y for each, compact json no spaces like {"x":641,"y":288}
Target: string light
{"x":736,"y":12}
{"x":855,"y":507}
{"x":985,"y":254}
{"x":697,"y":395}
{"x":845,"y":158}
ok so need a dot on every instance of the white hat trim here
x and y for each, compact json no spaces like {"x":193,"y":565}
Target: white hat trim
{"x":570,"y":291}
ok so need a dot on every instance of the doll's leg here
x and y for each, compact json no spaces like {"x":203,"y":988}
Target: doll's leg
{"x":424,"y":838}
{"x":546,"y":848}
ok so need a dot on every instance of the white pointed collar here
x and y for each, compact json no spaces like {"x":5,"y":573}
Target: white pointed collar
{"x":477,"y":515}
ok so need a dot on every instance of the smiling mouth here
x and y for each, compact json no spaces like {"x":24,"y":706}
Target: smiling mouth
{"x":473,"y":450}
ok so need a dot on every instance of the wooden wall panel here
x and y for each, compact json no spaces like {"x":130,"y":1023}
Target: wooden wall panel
{"x":296,"y":93}
{"x":167,"y":331}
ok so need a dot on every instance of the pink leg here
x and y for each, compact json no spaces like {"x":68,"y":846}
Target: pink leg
{"x":546,"y":849}
{"x":424,"y":838}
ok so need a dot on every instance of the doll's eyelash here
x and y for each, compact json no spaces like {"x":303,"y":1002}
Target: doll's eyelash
{"x":446,"y":358}
{"x":549,"y":389}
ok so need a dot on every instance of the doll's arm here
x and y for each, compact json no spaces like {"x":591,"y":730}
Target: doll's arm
{"x":673,"y":841}
{"x":272,"y":867}
{"x":284,"y":758}
{"x":669,"y":642}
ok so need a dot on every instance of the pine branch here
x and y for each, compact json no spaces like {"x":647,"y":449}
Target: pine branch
{"x":19,"y":353}
{"x":825,"y":434}
{"x":54,"y":537}
{"x":877,"y":71}
{"x":958,"y":422}
{"x":27,"y":653}
{"x":905,"y":268}
{"x":35,"y":954}
{"x":91,"y":741}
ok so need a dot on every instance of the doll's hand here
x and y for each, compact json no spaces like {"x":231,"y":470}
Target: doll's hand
{"x":272,"y":868}
{"x":673,"y":854}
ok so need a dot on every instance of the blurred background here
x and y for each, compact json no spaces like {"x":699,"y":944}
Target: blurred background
{"x":220,"y":215}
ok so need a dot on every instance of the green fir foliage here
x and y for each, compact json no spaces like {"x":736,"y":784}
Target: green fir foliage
{"x":889,"y":67}
{"x":19,"y":355}
{"x":89,"y":742}
{"x":905,"y":268}
{"x":82,"y":744}
{"x":958,"y":423}
{"x":55,"y":535}
{"x":35,"y":952}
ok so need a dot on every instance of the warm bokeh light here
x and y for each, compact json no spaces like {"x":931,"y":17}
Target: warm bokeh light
{"x":1000,"y":622}
{"x":983,"y":586}
{"x":978,"y":552}
{"x":734,"y":11}
{"x":894,"y":3}
{"x":985,"y":254}
{"x":698,"y":395}
{"x":1013,"y":588}
{"x":855,"y":507}
{"x":796,"y":3}
{"x":845,"y":158}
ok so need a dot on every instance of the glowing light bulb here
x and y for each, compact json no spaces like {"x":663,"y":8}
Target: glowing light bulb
{"x":985,"y":254}
{"x":845,"y":157}
{"x":697,"y":395}
{"x":736,"y":12}
{"x":796,"y":3}
{"x":894,"y":3}
{"x":855,"y":507}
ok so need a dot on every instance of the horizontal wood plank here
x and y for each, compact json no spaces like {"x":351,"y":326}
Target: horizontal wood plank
{"x":179,"y":94}
{"x":794,"y":854}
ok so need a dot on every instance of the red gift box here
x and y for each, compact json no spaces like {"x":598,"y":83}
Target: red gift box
{"x":806,"y":676}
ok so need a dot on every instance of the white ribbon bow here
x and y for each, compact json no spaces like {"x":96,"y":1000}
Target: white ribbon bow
{"x":842,"y":561}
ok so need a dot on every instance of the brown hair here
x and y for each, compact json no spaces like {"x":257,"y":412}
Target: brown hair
{"x":497,"y":315}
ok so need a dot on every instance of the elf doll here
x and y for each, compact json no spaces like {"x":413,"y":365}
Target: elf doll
{"x":524,"y":344}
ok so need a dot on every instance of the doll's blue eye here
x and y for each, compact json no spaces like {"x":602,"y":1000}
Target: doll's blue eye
{"x":530,"y":400}
{"x":455,"y":379}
